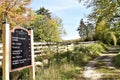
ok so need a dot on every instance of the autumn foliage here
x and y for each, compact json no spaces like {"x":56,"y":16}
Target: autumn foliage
{"x":15,"y":11}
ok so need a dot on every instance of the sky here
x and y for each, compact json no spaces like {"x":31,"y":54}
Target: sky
{"x":70,"y":11}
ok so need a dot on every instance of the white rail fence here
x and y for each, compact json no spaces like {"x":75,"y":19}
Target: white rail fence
{"x":41,"y":47}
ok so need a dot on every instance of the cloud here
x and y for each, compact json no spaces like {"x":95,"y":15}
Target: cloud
{"x":58,"y":5}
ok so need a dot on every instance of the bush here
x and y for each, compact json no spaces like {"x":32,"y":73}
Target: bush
{"x":116,"y":60}
{"x":80,"y":55}
{"x":95,"y":49}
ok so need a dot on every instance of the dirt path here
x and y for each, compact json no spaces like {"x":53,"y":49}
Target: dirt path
{"x":90,"y":70}
{"x":101,"y":66}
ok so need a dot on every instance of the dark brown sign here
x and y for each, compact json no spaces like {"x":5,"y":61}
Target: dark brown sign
{"x":20,"y":49}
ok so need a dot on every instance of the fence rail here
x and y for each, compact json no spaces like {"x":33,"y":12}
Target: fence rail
{"x":41,"y":47}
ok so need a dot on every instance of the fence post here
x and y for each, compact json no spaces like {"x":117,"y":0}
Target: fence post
{"x":6,"y":43}
{"x":32,"y":69}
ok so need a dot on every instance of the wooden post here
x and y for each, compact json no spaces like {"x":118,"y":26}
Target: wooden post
{"x":5,"y":61}
{"x":32,"y":69}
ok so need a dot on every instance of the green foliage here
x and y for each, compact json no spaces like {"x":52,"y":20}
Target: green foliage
{"x":83,"y":54}
{"x":114,"y":38}
{"x":95,"y":49}
{"x":105,"y":34}
{"x":44,"y":12}
{"x":45,"y":29}
{"x":108,"y":9}
{"x":116,"y":60}
{"x":106,"y":15}
{"x":80,"y":55}
{"x":81,"y":29}
{"x":100,"y":30}
{"x":116,"y":33}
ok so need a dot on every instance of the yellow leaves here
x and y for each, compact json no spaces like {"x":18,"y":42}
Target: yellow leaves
{"x":114,"y":38}
{"x":101,"y":26}
{"x":17,"y":13}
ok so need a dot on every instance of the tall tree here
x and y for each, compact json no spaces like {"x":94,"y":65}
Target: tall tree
{"x":82,"y":29}
{"x":15,"y":11}
{"x":44,"y":12}
{"x":90,"y":30}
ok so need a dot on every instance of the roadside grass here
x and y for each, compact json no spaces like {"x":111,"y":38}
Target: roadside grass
{"x":63,"y":65}
{"x":59,"y":72}
{"x":69,"y":65}
{"x":107,"y":73}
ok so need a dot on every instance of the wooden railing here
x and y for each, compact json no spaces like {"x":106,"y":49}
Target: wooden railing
{"x":41,"y":47}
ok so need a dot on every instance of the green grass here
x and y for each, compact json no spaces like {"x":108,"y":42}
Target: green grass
{"x":58,"y":72}
{"x":64,"y":65}
{"x":109,"y":74}
{"x":69,"y":65}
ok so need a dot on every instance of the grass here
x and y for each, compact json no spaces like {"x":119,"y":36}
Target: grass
{"x":64,"y":65}
{"x":107,"y":73}
{"x":59,"y":72}
{"x":69,"y":65}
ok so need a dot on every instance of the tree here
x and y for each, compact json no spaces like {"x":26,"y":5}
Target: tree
{"x":100,"y":29}
{"x":44,"y":12}
{"x":106,"y":15}
{"x":81,"y":29}
{"x":45,"y":29}
{"x":59,"y":24}
{"x":103,"y":9}
{"x":90,"y":30}
{"x":15,"y":11}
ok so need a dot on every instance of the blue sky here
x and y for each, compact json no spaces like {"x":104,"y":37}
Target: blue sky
{"x":70,"y":11}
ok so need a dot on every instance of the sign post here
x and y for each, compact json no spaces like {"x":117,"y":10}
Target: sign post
{"x":32,"y":69}
{"x":5,"y":61}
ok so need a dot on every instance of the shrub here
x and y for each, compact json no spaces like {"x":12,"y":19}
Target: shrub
{"x":95,"y":49}
{"x":116,"y":60}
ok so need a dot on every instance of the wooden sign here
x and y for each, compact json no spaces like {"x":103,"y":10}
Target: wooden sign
{"x":20,"y":49}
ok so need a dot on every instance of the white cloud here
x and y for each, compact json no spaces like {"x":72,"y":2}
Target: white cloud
{"x":61,"y":5}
